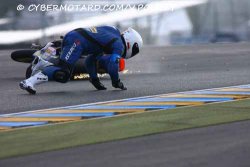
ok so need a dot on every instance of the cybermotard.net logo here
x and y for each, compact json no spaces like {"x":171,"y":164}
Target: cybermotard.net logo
{"x":71,"y":50}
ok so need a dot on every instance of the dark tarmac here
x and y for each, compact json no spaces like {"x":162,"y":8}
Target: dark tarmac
{"x":156,"y":70}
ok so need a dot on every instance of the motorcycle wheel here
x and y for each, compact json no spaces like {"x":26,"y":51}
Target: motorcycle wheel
{"x":28,"y":72}
{"x":24,"y":56}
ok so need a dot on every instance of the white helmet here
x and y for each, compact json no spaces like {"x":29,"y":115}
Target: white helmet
{"x":133,"y":42}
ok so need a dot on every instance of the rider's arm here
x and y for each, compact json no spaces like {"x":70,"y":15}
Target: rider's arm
{"x":113,"y":67}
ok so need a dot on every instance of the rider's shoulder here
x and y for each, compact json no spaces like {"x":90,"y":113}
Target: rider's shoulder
{"x":111,"y":28}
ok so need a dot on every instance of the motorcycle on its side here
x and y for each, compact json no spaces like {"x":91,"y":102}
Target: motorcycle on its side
{"x":37,"y":54}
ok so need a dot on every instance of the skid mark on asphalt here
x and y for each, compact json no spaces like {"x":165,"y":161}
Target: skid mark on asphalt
{"x":124,"y":106}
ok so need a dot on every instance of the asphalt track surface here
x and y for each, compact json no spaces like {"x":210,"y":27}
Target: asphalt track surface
{"x":157,"y":70}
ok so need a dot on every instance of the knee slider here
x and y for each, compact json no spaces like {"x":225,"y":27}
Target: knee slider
{"x":62,"y":76}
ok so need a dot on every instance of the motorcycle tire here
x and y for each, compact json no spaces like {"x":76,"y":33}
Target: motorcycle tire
{"x":28,"y":72}
{"x":24,"y":56}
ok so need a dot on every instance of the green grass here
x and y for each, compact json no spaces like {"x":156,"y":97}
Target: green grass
{"x":59,"y":136}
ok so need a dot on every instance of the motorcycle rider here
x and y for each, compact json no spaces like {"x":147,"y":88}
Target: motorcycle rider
{"x":95,"y":42}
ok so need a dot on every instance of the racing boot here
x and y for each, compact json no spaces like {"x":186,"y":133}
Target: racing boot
{"x":29,"y":83}
{"x":97,"y":84}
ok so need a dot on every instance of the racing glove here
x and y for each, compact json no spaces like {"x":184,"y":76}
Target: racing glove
{"x":118,"y":84}
{"x":97,"y":84}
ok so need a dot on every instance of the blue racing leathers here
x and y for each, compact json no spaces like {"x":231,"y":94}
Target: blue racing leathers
{"x":108,"y":62}
{"x":94,"y":42}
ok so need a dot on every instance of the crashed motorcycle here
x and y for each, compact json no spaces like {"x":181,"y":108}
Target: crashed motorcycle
{"x":37,"y":54}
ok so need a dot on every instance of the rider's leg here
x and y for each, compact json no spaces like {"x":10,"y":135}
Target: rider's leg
{"x":29,"y":83}
{"x":71,"y":52}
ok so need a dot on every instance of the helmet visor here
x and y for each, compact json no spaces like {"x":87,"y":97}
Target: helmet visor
{"x":135,"y":49}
